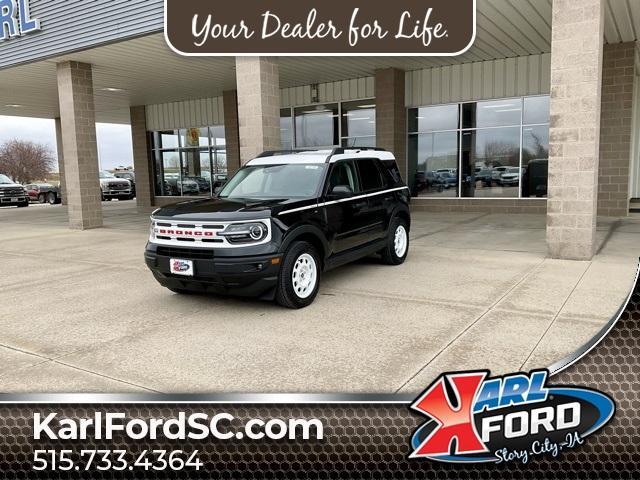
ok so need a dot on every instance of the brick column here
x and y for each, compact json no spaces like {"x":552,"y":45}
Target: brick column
{"x":391,"y":115}
{"x":77,"y":115}
{"x":60,"y":150}
{"x":616,"y":137}
{"x":141,"y":160}
{"x":231,"y":130}
{"x":576,"y":84}
{"x":258,"y":84}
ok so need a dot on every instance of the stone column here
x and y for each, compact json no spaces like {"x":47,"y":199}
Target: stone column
{"x":258,"y":84}
{"x":616,"y":136}
{"x":141,"y":160}
{"x":391,"y":115}
{"x":231,"y":130}
{"x":77,"y":115}
{"x":60,"y":150}
{"x":576,"y":84}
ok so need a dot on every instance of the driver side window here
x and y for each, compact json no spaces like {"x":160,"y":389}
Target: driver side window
{"x":344,"y":174}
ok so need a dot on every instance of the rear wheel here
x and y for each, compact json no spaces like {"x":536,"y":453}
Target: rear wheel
{"x":41,"y":198}
{"x":299,"y":278}
{"x":51,"y":198}
{"x":397,"y":247}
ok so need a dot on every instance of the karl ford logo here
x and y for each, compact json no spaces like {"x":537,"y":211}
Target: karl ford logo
{"x":330,"y":27}
{"x":473,"y":418}
{"x":15,"y":19}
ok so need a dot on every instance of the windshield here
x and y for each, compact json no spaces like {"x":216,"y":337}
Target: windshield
{"x":275,"y":181}
{"x":104,"y":174}
{"x":4,"y":179}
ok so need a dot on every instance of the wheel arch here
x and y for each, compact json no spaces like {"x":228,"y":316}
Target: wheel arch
{"x":310,"y":234}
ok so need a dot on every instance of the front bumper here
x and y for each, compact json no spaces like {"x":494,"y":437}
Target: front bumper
{"x":11,"y":201}
{"x":250,"y":276}
{"x":116,"y":193}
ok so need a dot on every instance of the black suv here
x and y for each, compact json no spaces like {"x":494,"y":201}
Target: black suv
{"x":284,"y":218}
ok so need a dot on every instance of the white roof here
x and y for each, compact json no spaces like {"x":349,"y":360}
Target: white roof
{"x":319,"y":156}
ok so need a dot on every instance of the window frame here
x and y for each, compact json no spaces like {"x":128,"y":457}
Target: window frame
{"x":462,"y":130}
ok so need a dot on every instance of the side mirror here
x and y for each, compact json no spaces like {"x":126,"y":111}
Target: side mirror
{"x":341,"y":191}
{"x":217,"y":190}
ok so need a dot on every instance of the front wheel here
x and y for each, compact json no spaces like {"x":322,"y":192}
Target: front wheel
{"x":51,"y":198}
{"x":397,"y":247}
{"x":299,"y":278}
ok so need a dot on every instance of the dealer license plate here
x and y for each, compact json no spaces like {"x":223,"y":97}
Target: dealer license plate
{"x":181,"y":267}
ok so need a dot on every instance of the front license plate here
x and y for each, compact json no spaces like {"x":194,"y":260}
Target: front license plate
{"x":181,"y":267}
{"x":14,"y":200}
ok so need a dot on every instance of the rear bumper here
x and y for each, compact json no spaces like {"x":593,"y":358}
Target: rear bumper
{"x":254,"y":276}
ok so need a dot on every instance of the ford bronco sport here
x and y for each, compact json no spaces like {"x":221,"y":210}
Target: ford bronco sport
{"x":283,"y":219}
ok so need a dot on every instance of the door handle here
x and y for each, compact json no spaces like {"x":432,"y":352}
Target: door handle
{"x":359,"y":205}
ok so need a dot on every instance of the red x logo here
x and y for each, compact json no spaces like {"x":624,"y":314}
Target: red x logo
{"x":452,"y":422}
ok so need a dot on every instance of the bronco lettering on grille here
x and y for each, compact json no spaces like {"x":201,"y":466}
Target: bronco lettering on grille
{"x":184,"y":233}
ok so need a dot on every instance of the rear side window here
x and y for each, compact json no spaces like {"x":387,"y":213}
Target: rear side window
{"x":369,"y":175}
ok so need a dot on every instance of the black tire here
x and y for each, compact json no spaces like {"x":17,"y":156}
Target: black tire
{"x":41,"y":198}
{"x":51,"y":198}
{"x":286,"y":294}
{"x":23,"y":205}
{"x":388,"y":253}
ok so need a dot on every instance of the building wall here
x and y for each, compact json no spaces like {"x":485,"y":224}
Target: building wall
{"x":82,"y":24}
{"x":618,"y":75}
{"x":509,"y":77}
{"x":354,"y":89}
{"x":190,"y":113}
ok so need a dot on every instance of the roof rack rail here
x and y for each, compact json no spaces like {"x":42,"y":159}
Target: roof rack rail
{"x":341,"y":150}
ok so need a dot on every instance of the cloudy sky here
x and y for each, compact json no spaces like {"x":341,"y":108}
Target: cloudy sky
{"x":114,"y":141}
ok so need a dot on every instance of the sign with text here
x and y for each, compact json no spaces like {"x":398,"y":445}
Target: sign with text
{"x":330,"y":27}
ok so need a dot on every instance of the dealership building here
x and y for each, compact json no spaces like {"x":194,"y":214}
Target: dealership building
{"x":540,"y":115}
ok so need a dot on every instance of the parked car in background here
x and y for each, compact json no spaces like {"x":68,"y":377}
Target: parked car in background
{"x":43,"y":193}
{"x":447,"y":180}
{"x":510,"y":177}
{"x":114,"y":187}
{"x":180,"y":187}
{"x":495,"y":174}
{"x":204,"y":186}
{"x":128,"y":175}
{"x":484,"y":175}
{"x":12,"y":193}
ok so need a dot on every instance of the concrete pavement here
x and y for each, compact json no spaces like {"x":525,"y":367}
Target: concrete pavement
{"x":79,"y":312}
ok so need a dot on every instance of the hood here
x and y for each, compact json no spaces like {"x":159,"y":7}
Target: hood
{"x":217,"y":209}
{"x":10,"y":185}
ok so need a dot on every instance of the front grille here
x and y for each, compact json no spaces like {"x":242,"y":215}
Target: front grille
{"x":118,"y":186}
{"x":12,"y":192}
{"x":186,"y":253}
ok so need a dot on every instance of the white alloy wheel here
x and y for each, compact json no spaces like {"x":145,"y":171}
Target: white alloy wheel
{"x":304,"y":275}
{"x":400,"y":241}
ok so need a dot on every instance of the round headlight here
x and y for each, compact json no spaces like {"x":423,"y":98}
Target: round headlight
{"x":257,"y":231}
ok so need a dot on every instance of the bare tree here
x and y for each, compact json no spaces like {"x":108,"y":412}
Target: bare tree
{"x":25,"y":161}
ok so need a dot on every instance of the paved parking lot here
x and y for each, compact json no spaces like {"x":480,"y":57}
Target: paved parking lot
{"x":79,"y":312}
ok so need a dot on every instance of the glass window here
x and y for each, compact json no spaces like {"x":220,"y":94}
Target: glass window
{"x":188,"y":162}
{"x":536,"y":110}
{"x":286,"y":129}
{"x":535,"y":160}
{"x":369,"y":175}
{"x":441,"y":117}
{"x":317,"y":126}
{"x":359,"y":124}
{"x":491,"y":163}
{"x":217,"y":136}
{"x":436,"y":158}
{"x":274,"y":181}
{"x":344,"y":175}
{"x":495,"y":113}
{"x":166,"y":139}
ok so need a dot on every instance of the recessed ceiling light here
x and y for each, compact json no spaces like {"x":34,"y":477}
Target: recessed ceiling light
{"x":112,"y":89}
{"x":13,"y":105}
